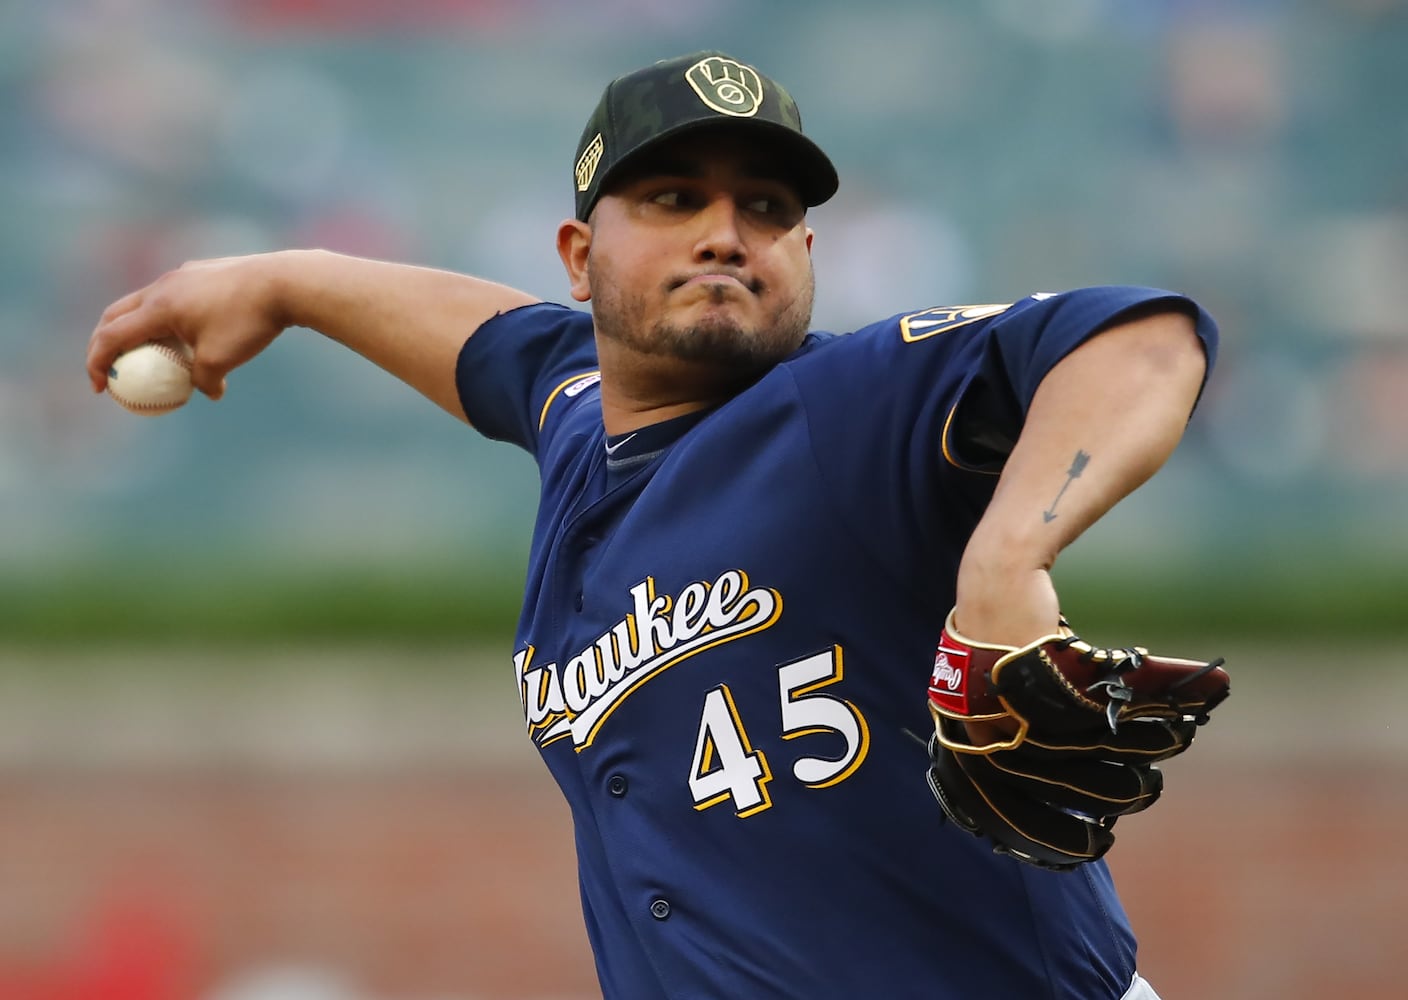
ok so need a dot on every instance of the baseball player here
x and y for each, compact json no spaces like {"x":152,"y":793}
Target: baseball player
{"x":749,"y":539}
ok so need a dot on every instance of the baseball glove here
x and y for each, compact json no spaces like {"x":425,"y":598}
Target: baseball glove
{"x":1075,"y":734}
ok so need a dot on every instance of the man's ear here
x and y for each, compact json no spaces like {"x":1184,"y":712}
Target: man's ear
{"x":574,"y":240}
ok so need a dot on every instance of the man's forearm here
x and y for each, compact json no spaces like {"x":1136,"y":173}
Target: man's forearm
{"x":1101,"y":423}
{"x":411,"y":321}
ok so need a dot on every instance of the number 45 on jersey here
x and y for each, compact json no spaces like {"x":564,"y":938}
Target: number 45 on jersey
{"x":727,"y":768}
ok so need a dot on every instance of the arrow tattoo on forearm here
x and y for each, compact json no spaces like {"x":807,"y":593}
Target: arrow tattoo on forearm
{"x":1078,"y":465}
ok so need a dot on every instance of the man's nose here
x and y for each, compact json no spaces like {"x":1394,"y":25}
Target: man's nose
{"x":719,"y":238}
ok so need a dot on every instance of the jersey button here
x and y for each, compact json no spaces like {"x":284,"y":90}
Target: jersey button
{"x":617,"y":785}
{"x":660,"y":909}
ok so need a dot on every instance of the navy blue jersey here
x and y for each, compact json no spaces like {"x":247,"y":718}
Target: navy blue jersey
{"x":726,"y":638}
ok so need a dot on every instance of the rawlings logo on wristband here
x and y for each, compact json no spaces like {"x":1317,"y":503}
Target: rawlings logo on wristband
{"x":948,"y":683}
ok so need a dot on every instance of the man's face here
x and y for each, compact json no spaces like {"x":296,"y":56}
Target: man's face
{"x":701,"y":254}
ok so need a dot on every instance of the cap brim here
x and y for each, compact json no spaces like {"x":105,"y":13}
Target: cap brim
{"x":806,"y":166}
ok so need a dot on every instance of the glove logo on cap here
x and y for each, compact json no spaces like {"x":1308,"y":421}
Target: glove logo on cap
{"x":728,"y":87}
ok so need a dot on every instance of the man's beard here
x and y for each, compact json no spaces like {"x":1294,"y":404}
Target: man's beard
{"x":718,"y":341}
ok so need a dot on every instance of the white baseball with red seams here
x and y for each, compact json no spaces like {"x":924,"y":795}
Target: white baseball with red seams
{"x":152,"y":378}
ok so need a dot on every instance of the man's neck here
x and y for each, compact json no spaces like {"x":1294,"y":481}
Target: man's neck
{"x":637,"y":390}
{"x":624,"y":416}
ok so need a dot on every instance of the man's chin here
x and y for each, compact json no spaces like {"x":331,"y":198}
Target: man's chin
{"x":727,"y":346}
{"x":726,"y":336}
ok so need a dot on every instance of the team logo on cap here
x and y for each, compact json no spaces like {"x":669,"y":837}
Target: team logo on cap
{"x":588,"y":162}
{"x":728,"y":87}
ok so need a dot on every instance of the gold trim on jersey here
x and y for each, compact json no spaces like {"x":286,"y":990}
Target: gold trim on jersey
{"x":948,"y":455}
{"x":566,"y":384}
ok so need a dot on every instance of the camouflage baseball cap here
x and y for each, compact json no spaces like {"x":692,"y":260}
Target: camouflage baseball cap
{"x":643,"y":108}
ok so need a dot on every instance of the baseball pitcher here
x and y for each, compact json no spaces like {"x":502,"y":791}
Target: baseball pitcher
{"x":789,"y":641}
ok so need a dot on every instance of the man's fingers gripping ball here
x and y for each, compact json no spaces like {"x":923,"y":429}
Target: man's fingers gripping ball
{"x":1041,"y":748}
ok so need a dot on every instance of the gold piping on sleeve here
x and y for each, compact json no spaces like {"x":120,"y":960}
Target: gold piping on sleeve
{"x":948,"y":455}
{"x":543,"y":417}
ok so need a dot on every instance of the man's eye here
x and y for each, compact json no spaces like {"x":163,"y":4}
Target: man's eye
{"x":772,"y":206}
{"x":669,"y":199}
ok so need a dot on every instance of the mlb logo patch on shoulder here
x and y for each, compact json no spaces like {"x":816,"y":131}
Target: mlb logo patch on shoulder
{"x":941,"y":319}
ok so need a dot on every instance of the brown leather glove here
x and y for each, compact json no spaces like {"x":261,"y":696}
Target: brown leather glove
{"x":1070,"y":734}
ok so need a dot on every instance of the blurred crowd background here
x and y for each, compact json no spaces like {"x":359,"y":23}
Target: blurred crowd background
{"x":257,"y":828}
{"x":1251,"y":153}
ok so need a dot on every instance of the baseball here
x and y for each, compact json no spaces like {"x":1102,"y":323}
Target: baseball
{"x":152,"y":378}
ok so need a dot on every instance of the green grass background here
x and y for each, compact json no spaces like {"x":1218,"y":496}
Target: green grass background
{"x":224,"y":601}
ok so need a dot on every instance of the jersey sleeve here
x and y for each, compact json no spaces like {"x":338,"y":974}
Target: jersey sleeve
{"x":912,"y":418}
{"x":1023,"y":343}
{"x":518,"y":364}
